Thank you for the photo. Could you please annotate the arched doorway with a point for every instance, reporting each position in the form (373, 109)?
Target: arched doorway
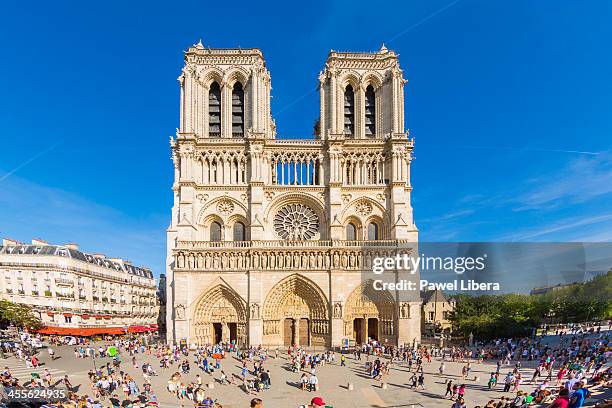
(296, 312)
(370, 315)
(220, 316)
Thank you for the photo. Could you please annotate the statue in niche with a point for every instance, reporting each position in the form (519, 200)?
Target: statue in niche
(338, 310)
(255, 311)
(255, 260)
(281, 262)
(179, 312)
(207, 261)
(405, 311)
(264, 261)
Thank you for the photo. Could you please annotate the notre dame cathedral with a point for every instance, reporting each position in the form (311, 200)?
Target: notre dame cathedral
(272, 239)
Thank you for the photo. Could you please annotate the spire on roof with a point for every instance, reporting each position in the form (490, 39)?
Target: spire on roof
(199, 45)
(383, 48)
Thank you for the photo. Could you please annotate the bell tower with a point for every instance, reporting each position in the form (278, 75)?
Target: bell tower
(225, 93)
(361, 95)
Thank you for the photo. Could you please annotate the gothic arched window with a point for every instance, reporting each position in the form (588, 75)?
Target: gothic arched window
(372, 231)
(370, 111)
(239, 232)
(349, 111)
(237, 110)
(214, 110)
(215, 231)
(351, 232)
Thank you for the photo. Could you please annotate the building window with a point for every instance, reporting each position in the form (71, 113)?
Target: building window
(372, 231)
(370, 111)
(237, 110)
(215, 231)
(68, 319)
(351, 232)
(239, 232)
(349, 111)
(431, 316)
(214, 110)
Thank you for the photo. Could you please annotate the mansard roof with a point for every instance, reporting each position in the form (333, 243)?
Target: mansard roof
(65, 252)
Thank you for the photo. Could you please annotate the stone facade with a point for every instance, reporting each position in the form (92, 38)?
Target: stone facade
(72, 290)
(271, 239)
(436, 310)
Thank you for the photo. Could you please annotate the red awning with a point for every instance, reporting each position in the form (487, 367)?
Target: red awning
(68, 314)
(140, 329)
(50, 313)
(76, 331)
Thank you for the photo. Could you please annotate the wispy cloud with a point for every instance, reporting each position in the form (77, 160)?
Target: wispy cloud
(29, 210)
(551, 231)
(582, 180)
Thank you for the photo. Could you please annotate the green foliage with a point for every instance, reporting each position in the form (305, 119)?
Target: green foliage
(17, 314)
(490, 316)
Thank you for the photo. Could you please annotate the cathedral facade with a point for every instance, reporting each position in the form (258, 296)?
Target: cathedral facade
(272, 240)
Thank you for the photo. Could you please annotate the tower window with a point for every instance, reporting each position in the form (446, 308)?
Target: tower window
(370, 111)
(372, 231)
(238, 110)
(349, 111)
(351, 232)
(214, 110)
(239, 232)
(215, 232)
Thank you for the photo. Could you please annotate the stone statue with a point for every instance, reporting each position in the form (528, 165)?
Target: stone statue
(255, 311)
(179, 312)
(337, 310)
(404, 311)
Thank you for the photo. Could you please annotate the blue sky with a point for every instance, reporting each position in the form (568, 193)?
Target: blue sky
(502, 98)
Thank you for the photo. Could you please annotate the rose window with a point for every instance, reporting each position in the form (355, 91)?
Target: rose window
(296, 222)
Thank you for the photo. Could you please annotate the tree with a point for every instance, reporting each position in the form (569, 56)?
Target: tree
(19, 315)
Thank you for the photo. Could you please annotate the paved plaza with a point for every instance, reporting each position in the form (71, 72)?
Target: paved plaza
(285, 391)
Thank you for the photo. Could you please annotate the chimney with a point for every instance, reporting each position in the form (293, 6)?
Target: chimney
(99, 256)
(72, 245)
(40, 242)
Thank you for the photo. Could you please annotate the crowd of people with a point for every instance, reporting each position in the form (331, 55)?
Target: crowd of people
(561, 371)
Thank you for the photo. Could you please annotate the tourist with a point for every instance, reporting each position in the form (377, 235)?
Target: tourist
(562, 401)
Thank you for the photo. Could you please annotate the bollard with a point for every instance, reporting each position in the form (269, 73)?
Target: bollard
(476, 379)
(384, 386)
(211, 385)
(350, 386)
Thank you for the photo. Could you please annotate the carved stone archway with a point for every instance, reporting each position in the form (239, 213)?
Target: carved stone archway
(298, 305)
(366, 306)
(220, 314)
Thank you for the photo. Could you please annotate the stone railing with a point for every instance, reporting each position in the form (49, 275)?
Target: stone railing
(293, 244)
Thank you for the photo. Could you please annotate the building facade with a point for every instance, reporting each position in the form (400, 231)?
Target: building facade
(78, 293)
(436, 311)
(272, 240)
